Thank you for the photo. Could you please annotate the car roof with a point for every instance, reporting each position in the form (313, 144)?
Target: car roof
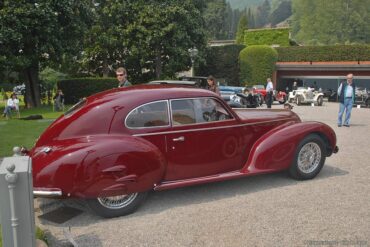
(143, 93)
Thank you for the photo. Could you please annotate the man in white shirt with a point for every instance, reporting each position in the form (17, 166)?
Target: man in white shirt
(269, 92)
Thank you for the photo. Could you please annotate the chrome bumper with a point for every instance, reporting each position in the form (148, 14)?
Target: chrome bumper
(39, 192)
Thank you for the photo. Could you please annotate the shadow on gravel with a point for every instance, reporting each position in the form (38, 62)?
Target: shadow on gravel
(162, 200)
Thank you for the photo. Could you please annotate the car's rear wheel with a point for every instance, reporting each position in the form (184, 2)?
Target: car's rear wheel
(309, 158)
(115, 206)
(320, 101)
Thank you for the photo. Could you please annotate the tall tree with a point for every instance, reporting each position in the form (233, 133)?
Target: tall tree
(250, 17)
(34, 34)
(137, 35)
(331, 21)
(262, 14)
(214, 17)
(242, 27)
(106, 42)
(281, 13)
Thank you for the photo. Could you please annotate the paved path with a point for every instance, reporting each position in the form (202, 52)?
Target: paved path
(268, 210)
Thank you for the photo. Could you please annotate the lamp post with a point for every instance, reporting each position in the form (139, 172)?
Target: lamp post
(193, 53)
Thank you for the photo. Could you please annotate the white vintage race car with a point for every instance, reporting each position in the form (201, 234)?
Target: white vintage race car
(305, 95)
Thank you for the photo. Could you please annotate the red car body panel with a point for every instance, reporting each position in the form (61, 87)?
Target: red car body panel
(91, 153)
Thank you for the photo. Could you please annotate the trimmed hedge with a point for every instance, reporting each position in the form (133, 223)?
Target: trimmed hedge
(75, 89)
(222, 62)
(8, 87)
(257, 63)
(271, 36)
(324, 53)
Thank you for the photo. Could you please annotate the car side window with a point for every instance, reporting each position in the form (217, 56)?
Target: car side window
(201, 110)
(182, 112)
(153, 114)
(210, 110)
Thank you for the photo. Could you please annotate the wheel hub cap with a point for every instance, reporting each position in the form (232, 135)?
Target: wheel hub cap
(309, 157)
(116, 202)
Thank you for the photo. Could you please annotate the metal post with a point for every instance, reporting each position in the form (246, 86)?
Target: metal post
(11, 178)
(193, 52)
(16, 205)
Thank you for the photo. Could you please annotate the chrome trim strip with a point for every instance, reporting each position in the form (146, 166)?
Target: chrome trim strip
(45, 193)
(213, 128)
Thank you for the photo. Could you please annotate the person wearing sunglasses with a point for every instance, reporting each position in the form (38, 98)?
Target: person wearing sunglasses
(121, 74)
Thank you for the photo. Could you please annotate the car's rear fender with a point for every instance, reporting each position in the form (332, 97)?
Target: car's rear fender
(102, 165)
(275, 150)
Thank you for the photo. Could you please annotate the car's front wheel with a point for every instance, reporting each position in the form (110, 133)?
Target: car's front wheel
(115, 206)
(309, 158)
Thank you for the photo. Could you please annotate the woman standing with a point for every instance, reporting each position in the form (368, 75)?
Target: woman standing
(212, 85)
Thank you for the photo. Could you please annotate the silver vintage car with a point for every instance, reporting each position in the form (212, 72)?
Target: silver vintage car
(306, 95)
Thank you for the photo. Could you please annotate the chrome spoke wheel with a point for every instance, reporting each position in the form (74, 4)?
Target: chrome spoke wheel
(117, 202)
(309, 157)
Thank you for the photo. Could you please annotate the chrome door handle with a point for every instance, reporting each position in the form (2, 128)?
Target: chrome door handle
(179, 139)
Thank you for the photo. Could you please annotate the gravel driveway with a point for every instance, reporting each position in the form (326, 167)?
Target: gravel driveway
(267, 210)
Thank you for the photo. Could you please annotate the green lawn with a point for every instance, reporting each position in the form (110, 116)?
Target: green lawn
(16, 132)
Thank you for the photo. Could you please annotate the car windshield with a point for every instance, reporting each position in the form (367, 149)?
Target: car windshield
(259, 86)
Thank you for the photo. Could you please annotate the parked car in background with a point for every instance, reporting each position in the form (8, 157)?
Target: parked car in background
(228, 91)
(245, 100)
(20, 89)
(362, 96)
(114, 147)
(201, 81)
(277, 95)
(330, 94)
(306, 95)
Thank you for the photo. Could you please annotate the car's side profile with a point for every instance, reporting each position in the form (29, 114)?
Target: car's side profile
(114, 147)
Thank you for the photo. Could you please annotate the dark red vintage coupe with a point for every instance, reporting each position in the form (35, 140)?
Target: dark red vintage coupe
(114, 147)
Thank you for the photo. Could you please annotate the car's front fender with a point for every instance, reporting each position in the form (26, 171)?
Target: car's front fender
(95, 166)
(276, 149)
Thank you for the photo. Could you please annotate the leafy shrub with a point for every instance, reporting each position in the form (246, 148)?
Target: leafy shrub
(222, 62)
(324, 53)
(257, 63)
(75, 89)
(271, 36)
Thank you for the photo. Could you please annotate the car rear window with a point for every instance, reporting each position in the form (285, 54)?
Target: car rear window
(153, 114)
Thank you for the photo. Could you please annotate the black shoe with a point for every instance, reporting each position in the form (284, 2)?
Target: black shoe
(339, 125)
(346, 125)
